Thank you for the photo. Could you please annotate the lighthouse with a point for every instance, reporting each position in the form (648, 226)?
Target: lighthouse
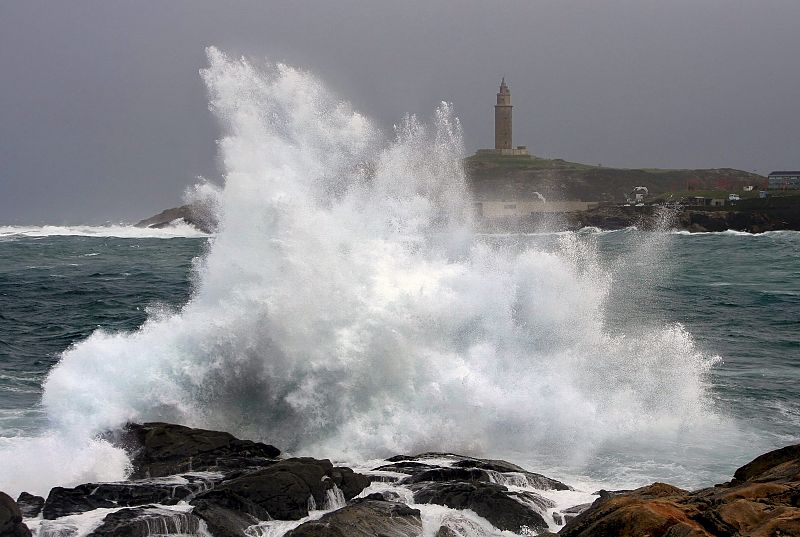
(502, 119)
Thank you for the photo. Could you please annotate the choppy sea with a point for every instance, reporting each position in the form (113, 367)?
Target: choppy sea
(737, 295)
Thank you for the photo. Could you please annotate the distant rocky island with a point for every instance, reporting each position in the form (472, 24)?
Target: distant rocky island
(200, 217)
(187, 481)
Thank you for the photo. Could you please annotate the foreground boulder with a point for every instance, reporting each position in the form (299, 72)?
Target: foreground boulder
(11, 518)
(145, 521)
(68, 501)
(491, 501)
(763, 499)
(366, 518)
(226, 513)
(29, 505)
(288, 489)
(161, 449)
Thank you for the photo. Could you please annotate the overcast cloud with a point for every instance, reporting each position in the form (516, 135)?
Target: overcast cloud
(103, 115)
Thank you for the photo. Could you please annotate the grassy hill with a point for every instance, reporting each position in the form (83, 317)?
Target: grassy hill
(495, 177)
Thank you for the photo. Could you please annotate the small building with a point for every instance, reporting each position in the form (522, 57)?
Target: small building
(784, 180)
(637, 195)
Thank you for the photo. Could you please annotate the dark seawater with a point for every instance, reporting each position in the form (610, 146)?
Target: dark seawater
(737, 294)
(58, 290)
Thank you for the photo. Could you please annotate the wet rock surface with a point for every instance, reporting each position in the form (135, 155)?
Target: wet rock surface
(464, 468)
(287, 489)
(160, 449)
(30, 505)
(227, 514)
(146, 521)
(687, 218)
(365, 518)
(11, 524)
(67, 501)
(491, 501)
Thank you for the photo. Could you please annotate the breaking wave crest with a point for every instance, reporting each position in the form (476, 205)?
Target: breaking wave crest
(119, 231)
(345, 307)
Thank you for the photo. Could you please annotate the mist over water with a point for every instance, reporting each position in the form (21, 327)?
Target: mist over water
(346, 309)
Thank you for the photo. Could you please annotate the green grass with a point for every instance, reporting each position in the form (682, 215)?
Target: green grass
(524, 162)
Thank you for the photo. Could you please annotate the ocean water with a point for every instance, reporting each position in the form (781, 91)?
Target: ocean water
(348, 309)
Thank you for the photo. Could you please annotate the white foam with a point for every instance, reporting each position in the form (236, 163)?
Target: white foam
(345, 309)
(735, 233)
(118, 231)
(35, 464)
(82, 524)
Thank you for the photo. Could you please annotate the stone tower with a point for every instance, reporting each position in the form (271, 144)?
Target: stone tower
(502, 119)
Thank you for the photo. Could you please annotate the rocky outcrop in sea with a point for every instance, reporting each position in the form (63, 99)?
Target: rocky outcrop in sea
(187, 481)
(200, 216)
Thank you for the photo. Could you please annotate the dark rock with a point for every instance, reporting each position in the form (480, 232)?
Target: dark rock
(444, 531)
(366, 518)
(64, 501)
(350, 482)
(505, 473)
(30, 505)
(489, 464)
(286, 488)
(448, 474)
(146, 521)
(537, 502)
(492, 502)
(161, 449)
(197, 215)
(11, 524)
(534, 480)
(408, 467)
(377, 478)
(226, 513)
(399, 458)
(67, 501)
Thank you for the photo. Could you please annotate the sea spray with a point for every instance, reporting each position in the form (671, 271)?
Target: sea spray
(344, 308)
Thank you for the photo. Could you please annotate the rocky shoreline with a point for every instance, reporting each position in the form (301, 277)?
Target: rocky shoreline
(650, 218)
(187, 481)
(605, 217)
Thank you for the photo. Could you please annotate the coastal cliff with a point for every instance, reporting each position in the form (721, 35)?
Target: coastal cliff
(187, 481)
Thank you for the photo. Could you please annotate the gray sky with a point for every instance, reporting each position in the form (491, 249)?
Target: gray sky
(103, 115)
